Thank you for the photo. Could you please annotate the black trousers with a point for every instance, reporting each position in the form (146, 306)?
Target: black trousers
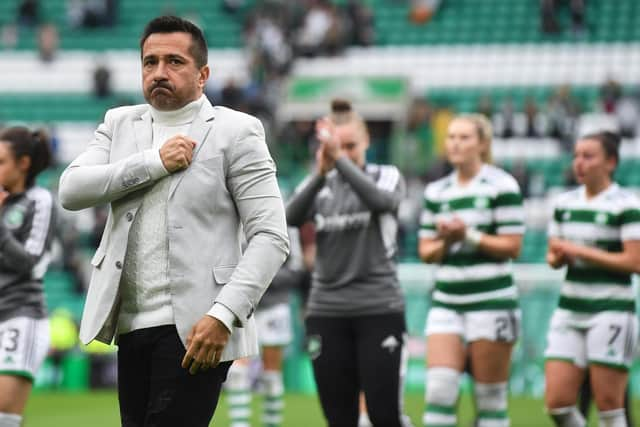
(351, 354)
(155, 391)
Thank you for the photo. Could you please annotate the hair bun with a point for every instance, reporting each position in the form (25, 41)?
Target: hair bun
(340, 106)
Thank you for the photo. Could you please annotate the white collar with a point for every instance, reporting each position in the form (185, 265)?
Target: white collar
(182, 116)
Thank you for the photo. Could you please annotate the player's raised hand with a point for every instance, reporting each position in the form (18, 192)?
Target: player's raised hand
(326, 134)
(176, 153)
(323, 162)
(205, 343)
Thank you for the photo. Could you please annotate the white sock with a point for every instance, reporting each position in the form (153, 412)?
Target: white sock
(238, 388)
(10, 420)
(273, 405)
(568, 416)
(613, 418)
(492, 404)
(363, 420)
(441, 397)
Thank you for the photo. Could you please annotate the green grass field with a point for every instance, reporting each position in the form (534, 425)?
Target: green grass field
(100, 409)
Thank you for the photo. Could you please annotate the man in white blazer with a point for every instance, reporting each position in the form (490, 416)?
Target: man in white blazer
(185, 182)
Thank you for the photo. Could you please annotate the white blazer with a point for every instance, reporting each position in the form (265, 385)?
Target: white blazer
(229, 189)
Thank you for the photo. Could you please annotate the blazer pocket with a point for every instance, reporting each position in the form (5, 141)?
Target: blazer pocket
(98, 257)
(222, 274)
(210, 163)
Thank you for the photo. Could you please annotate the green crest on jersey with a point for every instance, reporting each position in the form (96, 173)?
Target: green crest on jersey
(14, 217)
(566, 216)
(481, 202)
(9, 359)
(602, 218)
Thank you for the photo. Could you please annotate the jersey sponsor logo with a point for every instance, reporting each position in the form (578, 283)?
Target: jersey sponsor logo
(390, 343)
(14, 218)
(342, 222)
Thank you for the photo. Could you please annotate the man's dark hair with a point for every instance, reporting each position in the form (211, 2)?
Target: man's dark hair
(174, 24)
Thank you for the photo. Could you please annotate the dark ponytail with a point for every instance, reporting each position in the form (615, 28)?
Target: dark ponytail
(35, 145)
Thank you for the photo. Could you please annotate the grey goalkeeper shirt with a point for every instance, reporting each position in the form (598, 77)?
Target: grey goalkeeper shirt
(355, 215)
(26, 232)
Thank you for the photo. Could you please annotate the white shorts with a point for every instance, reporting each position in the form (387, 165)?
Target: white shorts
(492, 325)
(24, 343)
(608, 338)
(274, 325)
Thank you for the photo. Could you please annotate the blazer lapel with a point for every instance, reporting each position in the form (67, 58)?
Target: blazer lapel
(198, 131)
(142, 128)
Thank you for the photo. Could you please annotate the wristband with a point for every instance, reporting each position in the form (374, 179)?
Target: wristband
(472, 237)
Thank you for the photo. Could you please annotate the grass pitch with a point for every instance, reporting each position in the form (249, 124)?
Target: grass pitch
(100, 409)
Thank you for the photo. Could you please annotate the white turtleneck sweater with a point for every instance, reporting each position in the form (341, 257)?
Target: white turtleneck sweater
(145, 292)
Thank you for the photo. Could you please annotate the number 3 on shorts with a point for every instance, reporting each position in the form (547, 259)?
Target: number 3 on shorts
(9, 339)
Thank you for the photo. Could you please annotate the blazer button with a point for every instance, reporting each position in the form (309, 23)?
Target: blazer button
(129, 216)
(118, 265)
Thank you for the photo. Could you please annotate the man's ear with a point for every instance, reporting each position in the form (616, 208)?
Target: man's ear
(205, 71)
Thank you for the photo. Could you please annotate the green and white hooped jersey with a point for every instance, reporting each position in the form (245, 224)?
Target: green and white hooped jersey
(467, 279)
(605, 222)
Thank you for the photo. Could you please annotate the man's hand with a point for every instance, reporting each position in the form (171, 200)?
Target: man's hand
(205, 343)
(176, 153)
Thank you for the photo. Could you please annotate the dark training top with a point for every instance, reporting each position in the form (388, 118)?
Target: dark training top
(26, 233)
(355, 215)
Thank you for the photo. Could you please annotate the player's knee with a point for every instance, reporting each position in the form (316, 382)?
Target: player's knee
(608, 400)
(442, 386)
(556, 398)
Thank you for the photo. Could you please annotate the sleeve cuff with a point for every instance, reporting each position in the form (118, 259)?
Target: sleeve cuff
(223, 314)
(154, 164)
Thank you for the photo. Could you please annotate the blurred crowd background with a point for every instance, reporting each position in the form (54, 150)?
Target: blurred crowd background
(543, 71)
